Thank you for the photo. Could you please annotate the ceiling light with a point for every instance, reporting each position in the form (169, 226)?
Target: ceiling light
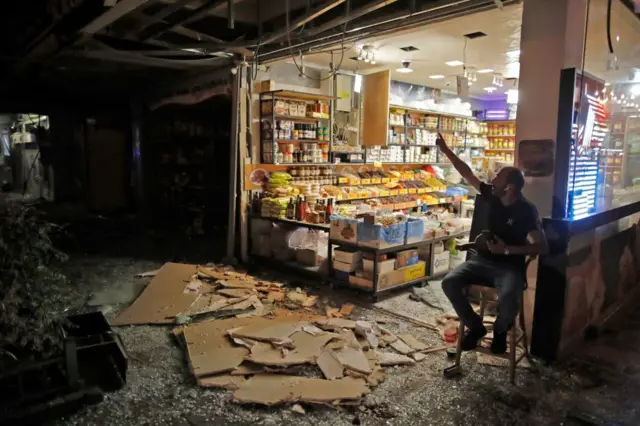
(454, 63)
(357, 84)
(406, 63)
(485, 71)
(490, 89)
(373, 62)
(437, 76)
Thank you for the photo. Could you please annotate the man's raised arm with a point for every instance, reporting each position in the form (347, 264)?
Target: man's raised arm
(462, 167)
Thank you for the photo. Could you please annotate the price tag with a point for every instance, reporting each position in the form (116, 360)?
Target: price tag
(375, 181)
(442, 200)
(403, 192)
(354, 181)
(394, 180)
(412, 190)
(377, 164)
(422, 190)
(385, 180)
(366, 182)
(343, 180)
(352, 196)
(393, 192)
(384, 193)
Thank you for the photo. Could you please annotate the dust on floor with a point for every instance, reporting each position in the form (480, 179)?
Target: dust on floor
(161, 391)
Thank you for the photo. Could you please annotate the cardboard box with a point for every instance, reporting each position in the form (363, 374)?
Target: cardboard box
(415, 231)
(344, 229)
(440, 263)
(308, 257)
(457, 258)
(341, 275)
(406, 258)
(384, 266)
(360, 282)
(264, 86)
(344, 267)
(347, 255)
(378, 236)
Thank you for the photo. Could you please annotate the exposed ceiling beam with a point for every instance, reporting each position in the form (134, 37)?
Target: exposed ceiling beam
(307, 17)
(122, 8)
(160, 16)
(428, 13)
(195, 15)
(187, 32)
(133, 58)
(370, 7)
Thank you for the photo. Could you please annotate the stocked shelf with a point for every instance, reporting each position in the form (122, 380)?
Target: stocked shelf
(291, 94)
(426, 111)
(394, 249)
(318, 226)
(501, 136)
(302, 120)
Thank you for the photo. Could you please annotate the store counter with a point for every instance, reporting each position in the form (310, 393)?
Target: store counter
(591, 274)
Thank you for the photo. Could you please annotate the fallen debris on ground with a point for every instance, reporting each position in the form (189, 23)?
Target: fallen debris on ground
(268, 335)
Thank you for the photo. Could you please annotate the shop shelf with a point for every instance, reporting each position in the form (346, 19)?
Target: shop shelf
(291, 94)
(319, 226)
(424, 111)
(501, 136)
(288, 264)
(396, 248)
(299, 140)
(293, 118)
(500, 149)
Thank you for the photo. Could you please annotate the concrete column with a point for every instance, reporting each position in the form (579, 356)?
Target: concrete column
(553, 37)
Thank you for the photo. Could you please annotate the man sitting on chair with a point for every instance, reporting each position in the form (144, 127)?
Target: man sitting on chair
(513, 234)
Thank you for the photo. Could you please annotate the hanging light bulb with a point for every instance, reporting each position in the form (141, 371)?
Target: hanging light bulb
(360, 57)
(366, 57)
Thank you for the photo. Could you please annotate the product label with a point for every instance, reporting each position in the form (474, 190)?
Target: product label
(414, 272)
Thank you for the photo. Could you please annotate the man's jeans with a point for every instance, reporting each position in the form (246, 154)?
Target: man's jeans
(508, 280)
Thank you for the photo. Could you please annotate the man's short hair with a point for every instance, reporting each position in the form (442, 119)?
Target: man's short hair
(515, 177)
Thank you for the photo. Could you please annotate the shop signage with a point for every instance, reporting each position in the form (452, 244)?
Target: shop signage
(536, 157)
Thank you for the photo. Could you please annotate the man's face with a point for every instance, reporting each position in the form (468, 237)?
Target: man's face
(499, 183)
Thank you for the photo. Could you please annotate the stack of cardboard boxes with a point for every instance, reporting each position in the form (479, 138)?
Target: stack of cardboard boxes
(356, 267)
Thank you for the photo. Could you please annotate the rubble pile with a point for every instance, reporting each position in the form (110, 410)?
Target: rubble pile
(267, 343)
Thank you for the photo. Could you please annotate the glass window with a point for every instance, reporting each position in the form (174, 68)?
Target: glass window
(605, 169)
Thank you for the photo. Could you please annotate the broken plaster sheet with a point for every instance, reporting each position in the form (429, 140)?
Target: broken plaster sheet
(353, 359)
(206, 303)
(236, 292)
(162, 299)
(336, 323)
(210, 350)
(271, 389)
(390, 358)
(237, 284)
(402, 347)
(305, 349)
(329, 364)
(224, 381)
(276, 332)
(413, 342)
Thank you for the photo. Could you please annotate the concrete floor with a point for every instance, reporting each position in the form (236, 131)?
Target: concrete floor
(160, 390)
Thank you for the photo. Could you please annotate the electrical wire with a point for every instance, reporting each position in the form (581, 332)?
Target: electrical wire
(609, 26)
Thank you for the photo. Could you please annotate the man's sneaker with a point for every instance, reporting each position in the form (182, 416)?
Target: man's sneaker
(499, 343)
(472, 337)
